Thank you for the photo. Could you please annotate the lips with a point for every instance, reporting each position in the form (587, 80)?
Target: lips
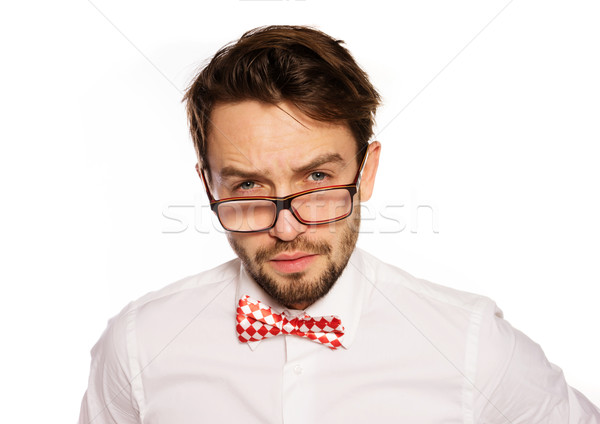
(295, 262)
(290, 256)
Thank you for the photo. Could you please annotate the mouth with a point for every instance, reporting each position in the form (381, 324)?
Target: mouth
(287, 263)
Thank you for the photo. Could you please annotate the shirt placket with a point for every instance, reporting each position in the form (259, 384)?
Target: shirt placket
(298, 400)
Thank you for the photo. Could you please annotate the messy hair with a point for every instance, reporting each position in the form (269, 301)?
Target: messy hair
(273, 64)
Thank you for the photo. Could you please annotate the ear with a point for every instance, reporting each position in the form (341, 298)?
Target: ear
(367, 180)
(198, 170)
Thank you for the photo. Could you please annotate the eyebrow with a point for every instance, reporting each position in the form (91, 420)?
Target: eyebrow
(333, 158)
(232, 172)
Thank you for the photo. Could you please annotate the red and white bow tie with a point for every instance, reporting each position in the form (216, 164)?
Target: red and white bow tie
(256, 321)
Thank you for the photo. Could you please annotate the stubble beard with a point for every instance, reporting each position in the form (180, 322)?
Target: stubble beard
(296, 288)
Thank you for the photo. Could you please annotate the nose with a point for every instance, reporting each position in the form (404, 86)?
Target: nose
(287, 228)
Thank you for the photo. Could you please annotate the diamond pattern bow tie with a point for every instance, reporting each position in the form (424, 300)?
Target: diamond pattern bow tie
(256, 321)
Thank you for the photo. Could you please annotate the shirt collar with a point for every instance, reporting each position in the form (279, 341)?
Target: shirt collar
(345, 299)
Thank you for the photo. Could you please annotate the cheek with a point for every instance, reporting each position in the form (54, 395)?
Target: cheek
(329, 233)
(249, 242)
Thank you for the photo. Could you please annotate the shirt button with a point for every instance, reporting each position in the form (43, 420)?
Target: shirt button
(298, 369)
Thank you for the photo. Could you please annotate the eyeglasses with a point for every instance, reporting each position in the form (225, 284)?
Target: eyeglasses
(310, 207)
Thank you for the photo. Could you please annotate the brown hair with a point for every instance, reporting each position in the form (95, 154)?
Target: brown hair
(279, 63)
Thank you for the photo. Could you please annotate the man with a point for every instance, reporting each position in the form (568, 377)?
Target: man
(303, 327)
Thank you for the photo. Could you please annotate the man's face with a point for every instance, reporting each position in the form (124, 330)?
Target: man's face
(256, 149)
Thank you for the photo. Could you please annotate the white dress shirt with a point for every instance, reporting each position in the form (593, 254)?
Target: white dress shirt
(413, 352)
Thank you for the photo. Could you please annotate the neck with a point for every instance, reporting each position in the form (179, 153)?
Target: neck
(299, 306)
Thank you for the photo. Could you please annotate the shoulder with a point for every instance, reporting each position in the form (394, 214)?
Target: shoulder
(177, 299)
(202, 284)
(505, 373)
(167, 306)
(393, 281)
(115, 357)
(448, 319)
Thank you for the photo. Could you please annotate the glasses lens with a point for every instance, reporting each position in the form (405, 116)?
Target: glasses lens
(246, 215)
(322, 206)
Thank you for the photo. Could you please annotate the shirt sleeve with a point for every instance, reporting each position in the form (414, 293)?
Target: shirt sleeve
(109, 397)
(516, 384)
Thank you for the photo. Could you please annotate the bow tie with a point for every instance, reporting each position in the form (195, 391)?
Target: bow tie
(256, 321)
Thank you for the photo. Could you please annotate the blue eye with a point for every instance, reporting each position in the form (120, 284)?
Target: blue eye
(318, 176)
(246, 185)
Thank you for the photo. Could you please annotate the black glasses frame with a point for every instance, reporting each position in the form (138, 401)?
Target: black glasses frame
(285, 202)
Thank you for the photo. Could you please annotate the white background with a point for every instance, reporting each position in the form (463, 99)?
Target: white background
(490, 119)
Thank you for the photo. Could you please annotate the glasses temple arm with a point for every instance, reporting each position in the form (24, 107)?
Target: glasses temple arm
(203, 178)
(361, 167)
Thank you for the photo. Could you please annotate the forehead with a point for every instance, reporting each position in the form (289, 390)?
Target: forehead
(262, 137)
